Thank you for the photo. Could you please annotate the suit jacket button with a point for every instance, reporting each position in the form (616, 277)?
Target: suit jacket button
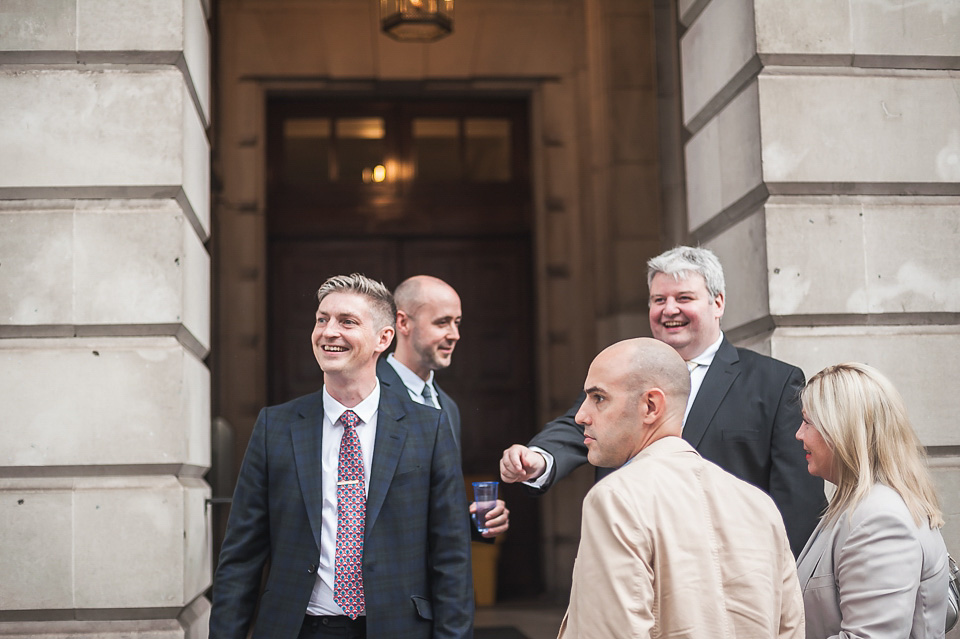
(312, 569)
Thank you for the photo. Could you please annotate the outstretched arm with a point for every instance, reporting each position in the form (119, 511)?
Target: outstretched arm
(562, 439)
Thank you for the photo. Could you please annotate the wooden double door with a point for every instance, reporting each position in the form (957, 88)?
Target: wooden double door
(399, 186)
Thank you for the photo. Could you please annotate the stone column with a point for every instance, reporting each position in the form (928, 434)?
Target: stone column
(104, 317)
(824, 169)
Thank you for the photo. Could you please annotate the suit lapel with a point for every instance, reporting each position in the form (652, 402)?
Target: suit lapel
(307, 434)
(812, 553)
(389, 377)
(721, 374)
(386, 453)
(445, 406)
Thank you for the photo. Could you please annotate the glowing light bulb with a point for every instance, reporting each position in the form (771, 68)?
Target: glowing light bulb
(379, 173)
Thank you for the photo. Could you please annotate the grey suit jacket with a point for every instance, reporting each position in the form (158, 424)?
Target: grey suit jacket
(874, 573)
(415, 502)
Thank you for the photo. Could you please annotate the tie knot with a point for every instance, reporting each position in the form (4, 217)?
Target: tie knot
(427, 394)
(349, 419)
(691, 365)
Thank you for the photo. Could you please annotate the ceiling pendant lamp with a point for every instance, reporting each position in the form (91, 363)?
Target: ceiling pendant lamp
(416, 20)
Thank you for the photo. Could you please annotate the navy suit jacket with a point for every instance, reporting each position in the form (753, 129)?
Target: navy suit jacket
(743, 419)
(391, 380)
(416, 558)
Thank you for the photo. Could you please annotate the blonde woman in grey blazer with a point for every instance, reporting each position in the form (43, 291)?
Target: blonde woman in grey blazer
(876, 566)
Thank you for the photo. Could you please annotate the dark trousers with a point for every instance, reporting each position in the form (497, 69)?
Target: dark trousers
(333, 627)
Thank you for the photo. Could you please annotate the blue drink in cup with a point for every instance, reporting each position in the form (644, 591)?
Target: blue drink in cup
(485, 494)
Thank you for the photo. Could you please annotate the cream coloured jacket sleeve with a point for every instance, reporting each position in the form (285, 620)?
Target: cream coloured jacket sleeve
(613, 579)
(791, 604)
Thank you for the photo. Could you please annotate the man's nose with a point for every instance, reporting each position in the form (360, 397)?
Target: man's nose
(580, 417)
(670, 307)
(453, 333)
(331, 328)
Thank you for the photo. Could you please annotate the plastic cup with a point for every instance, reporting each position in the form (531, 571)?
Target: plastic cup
(485, 495)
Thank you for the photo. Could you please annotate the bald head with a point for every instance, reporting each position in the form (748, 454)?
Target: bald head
(428, 324)
(648, 363)
(415, 291)
(636, 394)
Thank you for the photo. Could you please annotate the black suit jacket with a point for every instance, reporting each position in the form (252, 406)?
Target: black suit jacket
(390, 380)
(416, 557)
(743, 419)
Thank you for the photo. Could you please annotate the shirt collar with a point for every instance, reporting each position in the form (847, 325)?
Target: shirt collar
(706, 357)
(410, 379)
(365, 410)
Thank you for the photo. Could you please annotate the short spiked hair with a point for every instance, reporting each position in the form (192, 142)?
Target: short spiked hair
(381, 301)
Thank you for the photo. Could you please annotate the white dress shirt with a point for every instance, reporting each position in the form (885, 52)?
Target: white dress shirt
(703, 360)
(321, 600)
(414, 383)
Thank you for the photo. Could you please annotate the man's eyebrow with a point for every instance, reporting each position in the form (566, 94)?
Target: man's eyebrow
(341, 314)
(593, 389)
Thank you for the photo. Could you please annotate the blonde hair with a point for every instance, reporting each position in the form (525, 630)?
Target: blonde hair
(862, 418)
(382, 306)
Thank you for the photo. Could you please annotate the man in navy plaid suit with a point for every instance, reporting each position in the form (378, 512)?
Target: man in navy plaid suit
(415, 578)
(428, 329)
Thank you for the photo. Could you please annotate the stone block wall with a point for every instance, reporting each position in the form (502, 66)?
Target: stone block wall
(823, 167)
(104, 318)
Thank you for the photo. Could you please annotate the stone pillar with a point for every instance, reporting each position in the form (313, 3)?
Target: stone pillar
(104, 318)
(598, 223)
(824, 169)
(624, 160)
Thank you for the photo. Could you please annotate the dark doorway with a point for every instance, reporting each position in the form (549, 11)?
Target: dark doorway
(398, 188)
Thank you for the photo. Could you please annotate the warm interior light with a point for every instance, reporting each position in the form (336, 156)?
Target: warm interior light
(379, 173)
(416, 20)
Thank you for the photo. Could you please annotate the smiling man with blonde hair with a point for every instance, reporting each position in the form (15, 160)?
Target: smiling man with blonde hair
(332, 485)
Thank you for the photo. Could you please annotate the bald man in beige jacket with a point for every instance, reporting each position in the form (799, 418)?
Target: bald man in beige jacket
(671, 545)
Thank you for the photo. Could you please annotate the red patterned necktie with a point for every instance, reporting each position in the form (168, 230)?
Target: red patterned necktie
(351, 518)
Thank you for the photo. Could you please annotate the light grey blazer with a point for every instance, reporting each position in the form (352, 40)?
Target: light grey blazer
(874, 573)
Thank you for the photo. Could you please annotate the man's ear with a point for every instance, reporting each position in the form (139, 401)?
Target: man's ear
(403, 322)
(719, 303)
(653, 405)
(385, 338)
